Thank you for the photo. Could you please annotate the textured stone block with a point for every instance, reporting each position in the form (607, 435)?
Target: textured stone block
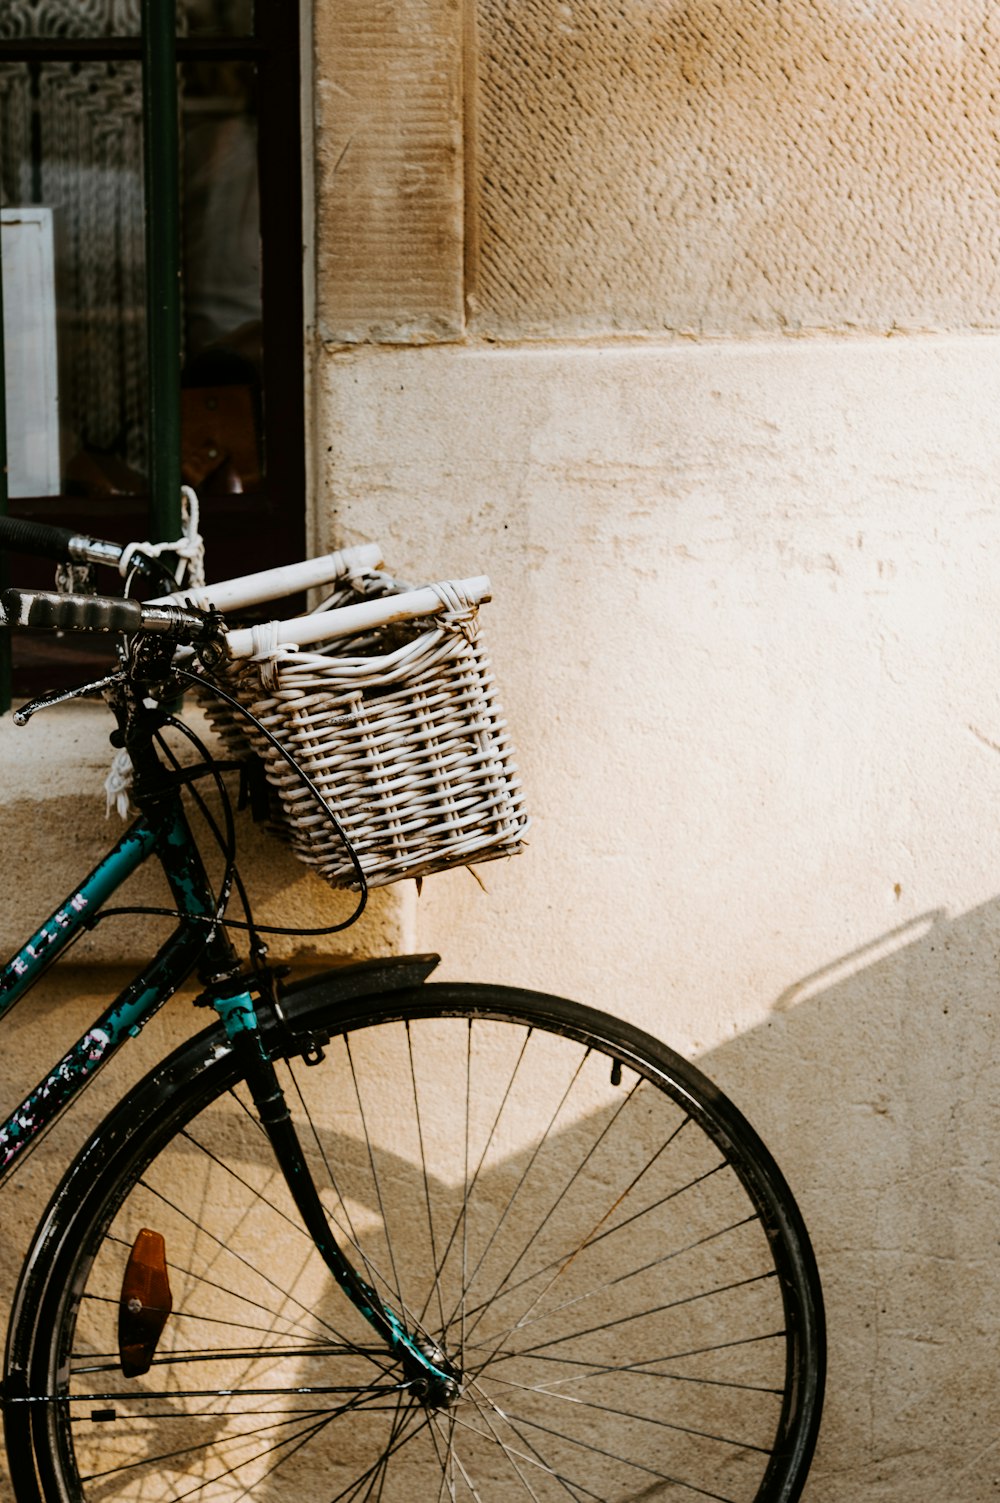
(733, 167)
(389, 171)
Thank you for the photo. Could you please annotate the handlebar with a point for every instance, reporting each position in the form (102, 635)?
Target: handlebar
(183, 614)
(108, 613)
(100, 613)
(66, 546)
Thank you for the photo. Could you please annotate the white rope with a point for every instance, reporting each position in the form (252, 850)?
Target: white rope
(190, 548)
(266, 647)
(461, 613)
(117, 784)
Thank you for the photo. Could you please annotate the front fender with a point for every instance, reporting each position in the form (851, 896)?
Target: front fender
(362, 978)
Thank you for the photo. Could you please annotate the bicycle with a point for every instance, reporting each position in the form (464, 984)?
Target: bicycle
(368, 1236)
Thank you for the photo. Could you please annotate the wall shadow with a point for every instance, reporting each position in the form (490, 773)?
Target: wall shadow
(875, 1083)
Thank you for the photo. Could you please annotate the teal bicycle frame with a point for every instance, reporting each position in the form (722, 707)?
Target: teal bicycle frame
(198, 940)
(170, 838)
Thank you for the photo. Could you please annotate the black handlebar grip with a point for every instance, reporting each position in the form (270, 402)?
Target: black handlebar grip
(39, 608)
(38, 538)
(47, 611)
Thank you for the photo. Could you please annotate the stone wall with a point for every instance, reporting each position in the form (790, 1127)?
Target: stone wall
(718, 418)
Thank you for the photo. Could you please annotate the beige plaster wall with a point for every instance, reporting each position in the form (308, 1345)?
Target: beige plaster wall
(744, 609)
(745, 587)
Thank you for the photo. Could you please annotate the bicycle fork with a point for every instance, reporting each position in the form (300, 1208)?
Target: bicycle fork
(428, 1374)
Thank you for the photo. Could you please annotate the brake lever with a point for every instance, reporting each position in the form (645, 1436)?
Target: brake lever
(60, 696)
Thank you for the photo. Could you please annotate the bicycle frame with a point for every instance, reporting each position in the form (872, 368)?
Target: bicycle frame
(167, 836)
(163, 831)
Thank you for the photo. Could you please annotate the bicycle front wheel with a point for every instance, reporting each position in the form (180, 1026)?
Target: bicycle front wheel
(571, 1217)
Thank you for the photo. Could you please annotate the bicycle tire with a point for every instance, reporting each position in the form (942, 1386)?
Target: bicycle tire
(573, 1213)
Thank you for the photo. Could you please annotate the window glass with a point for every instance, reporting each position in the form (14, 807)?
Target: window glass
(220, 235)
(122, 18)
(72, 144)
(216, 17)
(72, 136)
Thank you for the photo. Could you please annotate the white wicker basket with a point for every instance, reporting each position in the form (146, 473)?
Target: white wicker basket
(401, 733)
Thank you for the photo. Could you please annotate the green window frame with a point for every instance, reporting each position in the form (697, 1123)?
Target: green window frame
(264, 523)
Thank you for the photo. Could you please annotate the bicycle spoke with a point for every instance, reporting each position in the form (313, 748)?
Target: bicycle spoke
(312, 1314)
(255, 1192)
(346, 1230)
(424, 1174)
(523, 1321)
(245, 1262)
(509, 1452)
(510, 1456)
(111, 1362)
(635, 1369)
(592, 1241)
(282, 1461)
(445, 1463)
(645, 1419)
(232, 1443)
(465, 1198)
(364, 1392)
(375, 1178)
(349, 1230)
(626, 1461)
(504, 1282)
(403, 1440)
(524, 1175)
(622, 1320)
(302, 1439)
(399, 1421)
(214, 1284)
(470, 1186)
(465, 1476)
(289, 1444)
(724, 1440)
(208, 1320)
(532, 1461)
(575, 1490)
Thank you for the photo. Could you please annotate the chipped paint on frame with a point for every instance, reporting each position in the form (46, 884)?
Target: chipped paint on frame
(62, 926)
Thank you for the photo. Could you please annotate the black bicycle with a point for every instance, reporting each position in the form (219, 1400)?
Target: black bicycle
(368, 1237)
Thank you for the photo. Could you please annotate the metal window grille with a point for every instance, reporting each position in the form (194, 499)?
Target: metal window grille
(120, 128)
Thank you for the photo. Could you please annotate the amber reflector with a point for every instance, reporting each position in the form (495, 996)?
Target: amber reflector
(144, 1305)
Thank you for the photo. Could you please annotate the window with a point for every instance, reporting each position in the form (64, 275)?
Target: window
(71, 143)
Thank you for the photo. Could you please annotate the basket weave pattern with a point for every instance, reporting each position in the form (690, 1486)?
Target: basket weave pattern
(404, 739)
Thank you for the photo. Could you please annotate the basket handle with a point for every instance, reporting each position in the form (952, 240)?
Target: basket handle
(348, 619)
(273, 584)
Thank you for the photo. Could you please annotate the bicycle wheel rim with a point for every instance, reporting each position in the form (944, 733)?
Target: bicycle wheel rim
(554, 1281)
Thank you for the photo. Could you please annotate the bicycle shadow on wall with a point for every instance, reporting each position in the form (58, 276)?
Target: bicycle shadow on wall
(875, 1082)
